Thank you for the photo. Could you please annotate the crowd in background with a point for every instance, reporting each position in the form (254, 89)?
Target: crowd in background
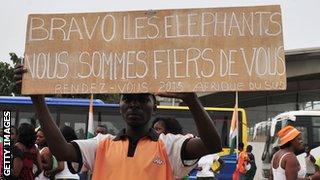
(32, 158)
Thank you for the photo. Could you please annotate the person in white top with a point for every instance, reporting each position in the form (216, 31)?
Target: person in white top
(167, 125)
(136, 110)
(69, 134)
(205, 166)
(310, 160)
(284, 164)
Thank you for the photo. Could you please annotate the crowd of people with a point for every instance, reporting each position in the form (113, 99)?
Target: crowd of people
(284, 163)
(33, 158)
(246, 165)
(137, 151)
(143, 149)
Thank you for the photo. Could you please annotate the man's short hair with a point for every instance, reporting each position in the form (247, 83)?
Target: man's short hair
(149, 94)
(172, 125)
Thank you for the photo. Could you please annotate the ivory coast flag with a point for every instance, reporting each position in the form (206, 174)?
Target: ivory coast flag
(234, 127)
(90, 119)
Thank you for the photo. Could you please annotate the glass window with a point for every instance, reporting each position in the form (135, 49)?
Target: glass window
(316, 129)
(114, 123)
(315, 120)
(274, 140)
(304, 133)
(277, 128)
(27, 117)
(80, 129)
(76, 120)
(316, 134)
(222, 121)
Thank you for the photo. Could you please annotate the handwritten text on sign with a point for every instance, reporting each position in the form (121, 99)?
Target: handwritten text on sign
(200, 50)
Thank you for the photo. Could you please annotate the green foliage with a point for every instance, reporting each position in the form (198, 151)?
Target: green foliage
(6, 78)
(15, 59)
(7, 84)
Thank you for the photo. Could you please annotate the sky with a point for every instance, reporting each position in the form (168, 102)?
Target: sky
(300, 18)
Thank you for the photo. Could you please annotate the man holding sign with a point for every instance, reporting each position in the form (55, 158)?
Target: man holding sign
(135, 53)
(137, 151)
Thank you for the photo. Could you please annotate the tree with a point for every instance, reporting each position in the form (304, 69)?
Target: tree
(5, 78)
(7, 84)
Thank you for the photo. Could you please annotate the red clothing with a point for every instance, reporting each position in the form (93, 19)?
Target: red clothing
(29, 157)
(242, 162)
(1, 158)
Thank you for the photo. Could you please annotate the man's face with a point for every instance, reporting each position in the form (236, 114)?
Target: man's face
(160, 127)
(137, 109)
(40, 141)
(298, 145)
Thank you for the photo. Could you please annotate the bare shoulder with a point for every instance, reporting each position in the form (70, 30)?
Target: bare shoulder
(284, 157)
(290, 159)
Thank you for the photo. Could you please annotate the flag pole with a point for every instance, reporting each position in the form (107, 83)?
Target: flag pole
(238, 125)
(90, 119)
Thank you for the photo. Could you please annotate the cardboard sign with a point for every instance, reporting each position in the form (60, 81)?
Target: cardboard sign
(178, 50)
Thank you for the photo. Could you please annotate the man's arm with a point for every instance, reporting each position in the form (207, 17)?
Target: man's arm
(17, 166)
(38, 164)
(209, 141)
(57, 144)
(53, 172)
(291, 167)
(315, 176)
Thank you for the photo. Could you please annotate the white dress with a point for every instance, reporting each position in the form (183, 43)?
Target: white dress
(205, 163)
